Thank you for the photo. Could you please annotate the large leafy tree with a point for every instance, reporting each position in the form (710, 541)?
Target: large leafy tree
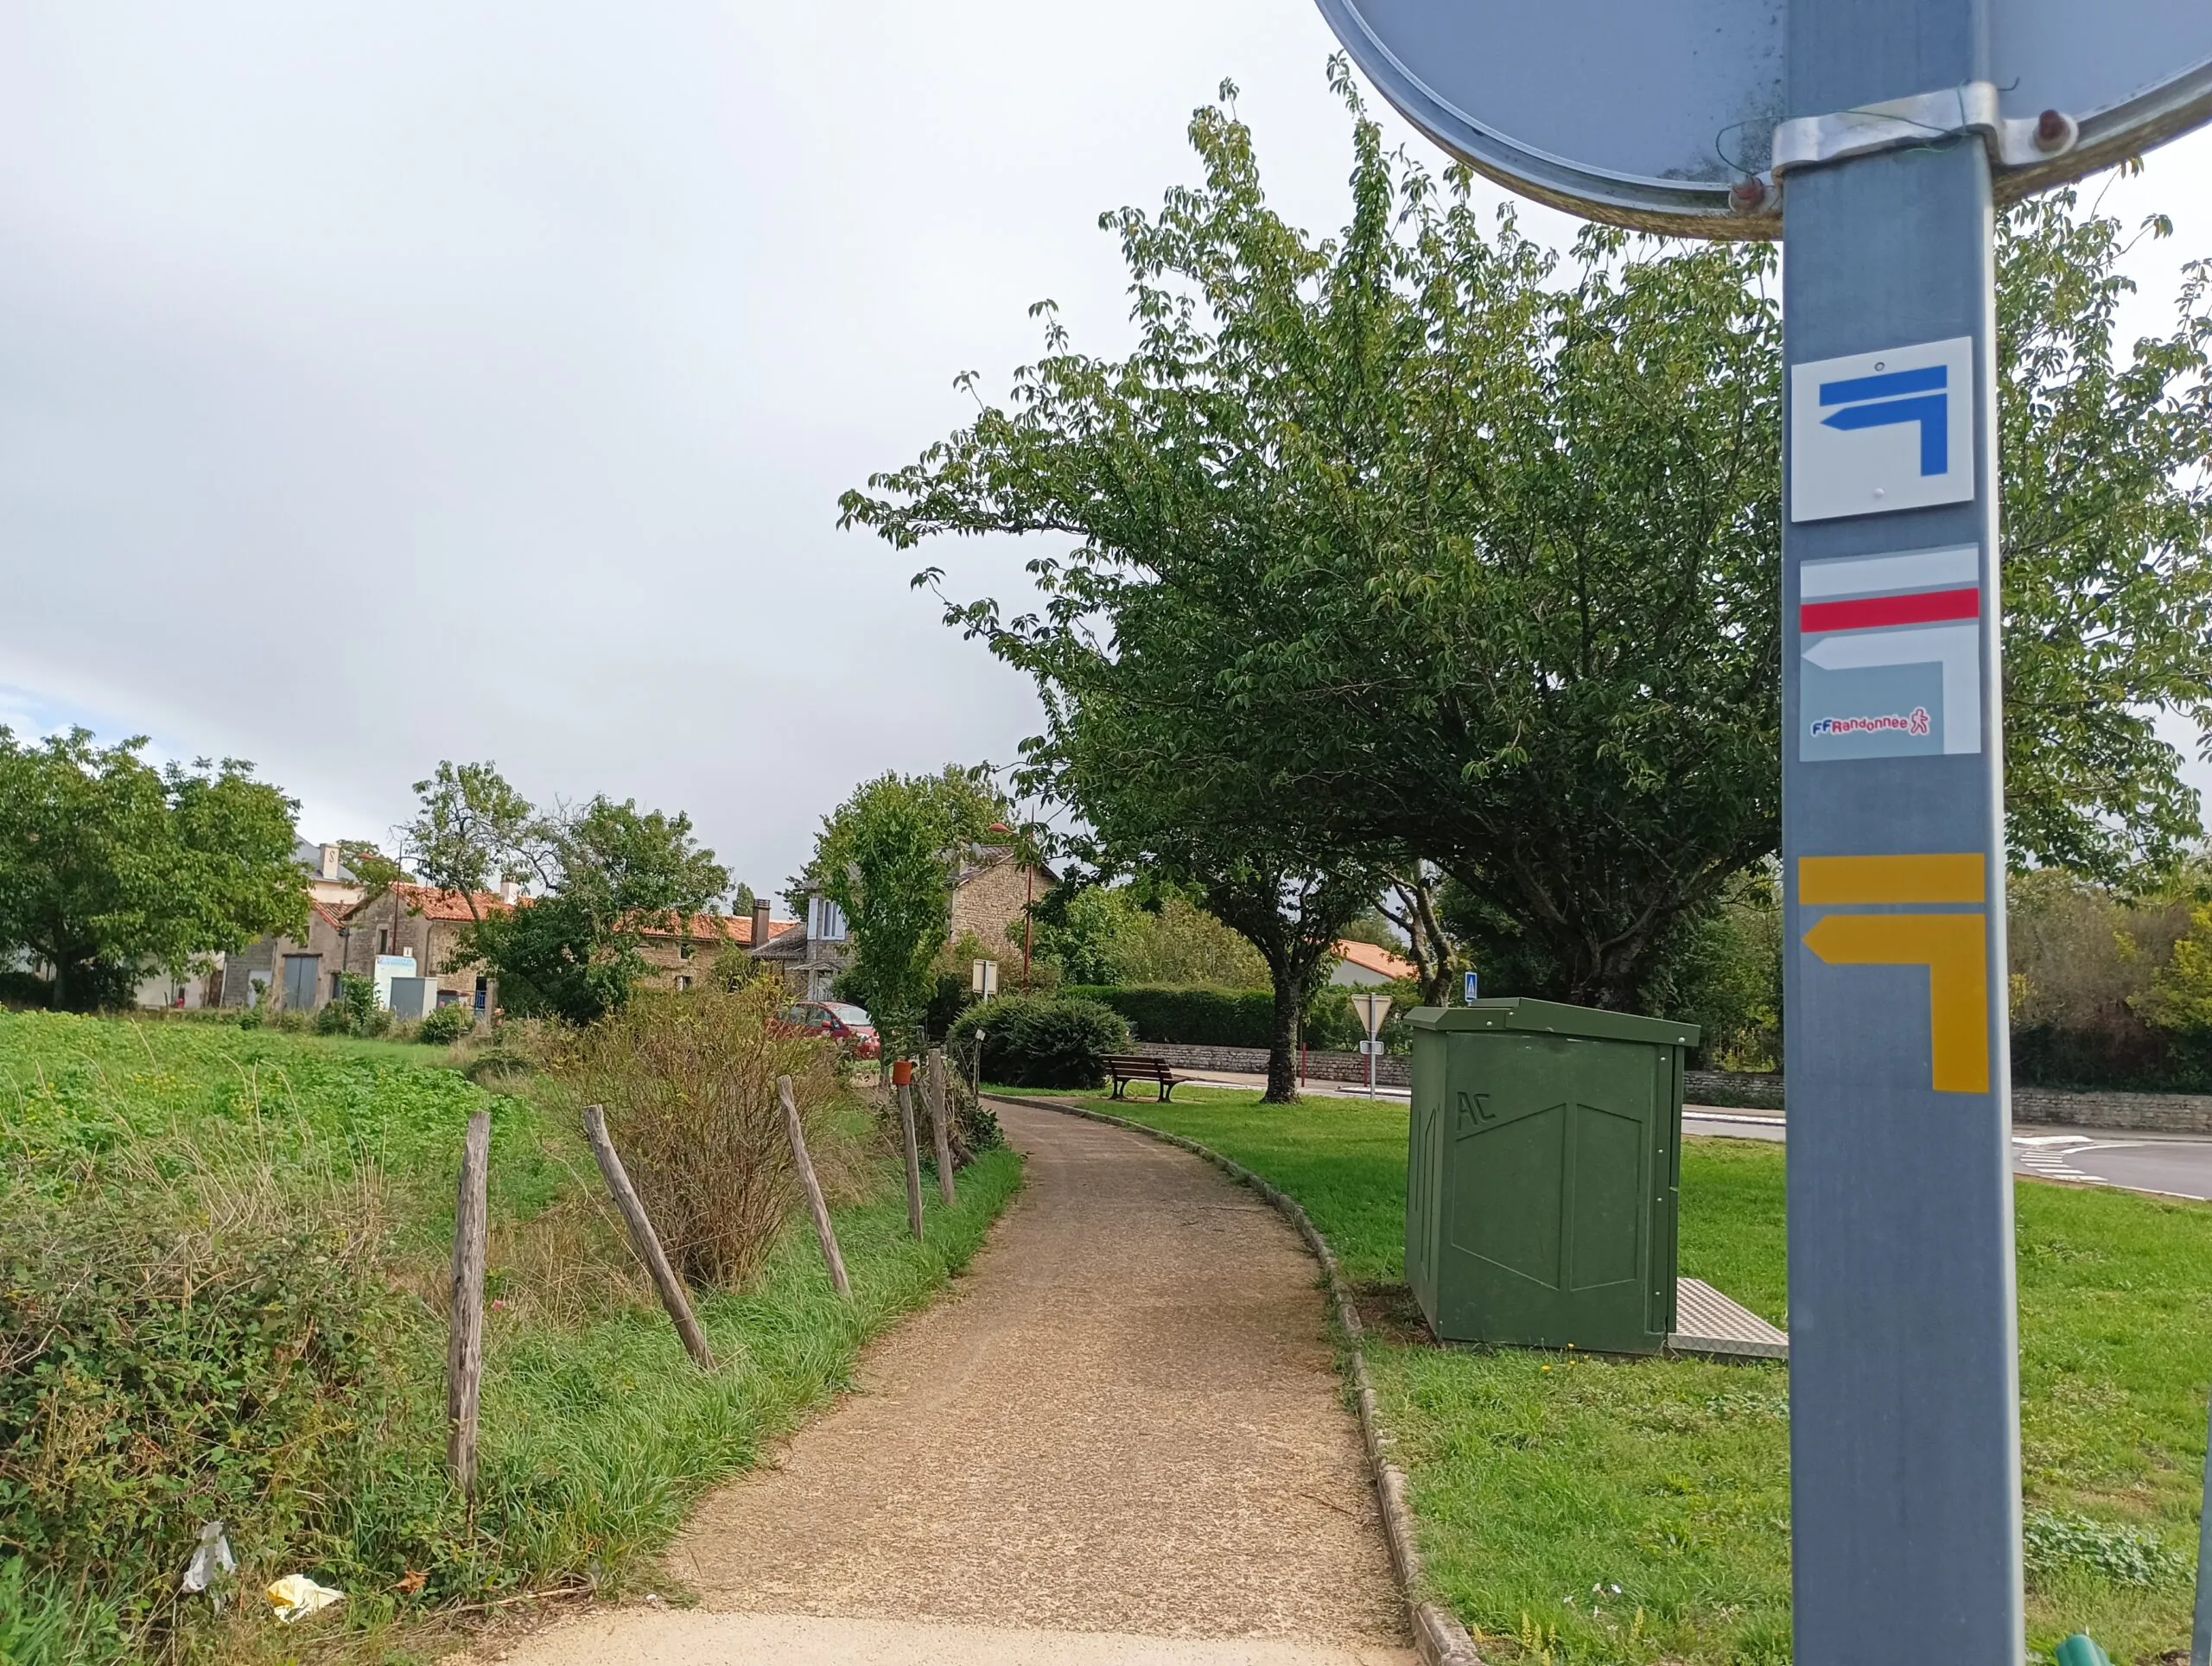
(888, 856)
(603, 870)
(111, 868)
(1435, 546)
(470, 828)
(2106, 518)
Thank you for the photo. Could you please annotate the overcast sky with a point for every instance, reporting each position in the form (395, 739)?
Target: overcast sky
(380, 385)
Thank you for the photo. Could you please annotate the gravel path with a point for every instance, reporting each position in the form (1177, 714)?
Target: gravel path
(1126, 1427)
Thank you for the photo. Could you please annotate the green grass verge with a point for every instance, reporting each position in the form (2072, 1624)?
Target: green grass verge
(1580, 1510)
(219, 1252)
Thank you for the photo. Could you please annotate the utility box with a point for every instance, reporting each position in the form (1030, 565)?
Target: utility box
(1543, 1174)
(413, 998)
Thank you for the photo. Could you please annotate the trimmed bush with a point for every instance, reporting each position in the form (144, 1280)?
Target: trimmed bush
(445, 1025)
(1032, 1042)
(1224, 1018)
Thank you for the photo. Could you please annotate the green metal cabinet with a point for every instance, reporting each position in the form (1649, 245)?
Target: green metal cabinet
(1543, 1174)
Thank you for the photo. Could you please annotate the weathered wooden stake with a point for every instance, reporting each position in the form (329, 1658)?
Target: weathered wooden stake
(647, 1241)
(905, 1090)
(812, 1188)
(464, 1335)
(939, 1119)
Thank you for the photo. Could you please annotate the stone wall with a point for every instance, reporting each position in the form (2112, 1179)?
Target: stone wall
(2162, 1113)
(2159, 1113)
(1389, 1072)
(1728, 1087)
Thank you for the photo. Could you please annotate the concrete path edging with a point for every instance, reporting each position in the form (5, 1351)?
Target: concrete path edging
(1439, 1637)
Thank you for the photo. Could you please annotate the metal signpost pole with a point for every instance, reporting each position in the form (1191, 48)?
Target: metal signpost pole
(1901, 123)
(1904, 1413)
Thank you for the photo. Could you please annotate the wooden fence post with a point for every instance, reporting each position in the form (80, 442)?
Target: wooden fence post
(938, 1118)
(647, 1241)
(823, 1229)
(904, 1089)
(464, 1334)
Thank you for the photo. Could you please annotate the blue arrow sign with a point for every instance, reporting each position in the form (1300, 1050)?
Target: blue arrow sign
(1932, 410)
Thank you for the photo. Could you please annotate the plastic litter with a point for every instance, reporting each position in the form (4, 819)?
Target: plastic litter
(296, 1596)
(2079, 1650)
(211, 1561)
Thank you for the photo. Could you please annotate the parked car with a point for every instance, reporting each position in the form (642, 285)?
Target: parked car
(848, 1026)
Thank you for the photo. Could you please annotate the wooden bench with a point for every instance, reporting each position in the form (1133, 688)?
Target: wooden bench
(1125, 1067)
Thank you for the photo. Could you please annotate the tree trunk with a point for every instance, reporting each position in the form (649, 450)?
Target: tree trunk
(1282, 1046)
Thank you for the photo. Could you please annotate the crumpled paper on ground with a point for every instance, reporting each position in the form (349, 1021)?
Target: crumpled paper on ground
(296, 1596)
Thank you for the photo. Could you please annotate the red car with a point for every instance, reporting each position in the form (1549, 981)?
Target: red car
(849, 1026)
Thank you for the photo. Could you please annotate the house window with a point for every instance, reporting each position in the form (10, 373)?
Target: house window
(682, 983)
(684, 951)
(383, 939)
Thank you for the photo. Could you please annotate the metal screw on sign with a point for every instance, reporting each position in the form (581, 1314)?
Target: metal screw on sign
(1876, 139)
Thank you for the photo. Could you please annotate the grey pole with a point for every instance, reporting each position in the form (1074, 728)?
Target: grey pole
(2200, 1639)
(1904, 1429)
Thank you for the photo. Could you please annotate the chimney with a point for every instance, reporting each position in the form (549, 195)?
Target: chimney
(330, 862)
(508, 891)
(760, 921)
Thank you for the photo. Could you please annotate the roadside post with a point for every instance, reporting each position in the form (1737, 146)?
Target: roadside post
(2200, 1636)
(1372, 1008)
(1876, 138)
(902, 1078)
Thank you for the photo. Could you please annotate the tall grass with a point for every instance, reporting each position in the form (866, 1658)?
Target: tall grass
(221, 1297)
(689, 1084)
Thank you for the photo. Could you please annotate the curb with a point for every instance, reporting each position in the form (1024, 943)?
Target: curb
(1441, 1639)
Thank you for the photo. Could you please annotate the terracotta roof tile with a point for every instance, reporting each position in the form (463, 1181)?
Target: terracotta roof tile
(729, 928)
(1376, 959)
(433, 904)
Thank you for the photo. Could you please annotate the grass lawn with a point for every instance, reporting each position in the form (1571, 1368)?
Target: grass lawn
(1581, 1510)
(222, 1258)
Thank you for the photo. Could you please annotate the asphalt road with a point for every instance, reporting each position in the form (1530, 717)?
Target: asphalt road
(2168, 1165)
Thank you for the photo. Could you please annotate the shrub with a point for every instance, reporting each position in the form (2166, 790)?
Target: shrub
(445, 1025)
(182, 1350)
(19, 989)
(1031, 1041)
(1226, 1018)
(690, 1088)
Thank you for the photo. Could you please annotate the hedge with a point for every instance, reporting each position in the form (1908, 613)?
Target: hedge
(1036, 1041)
(1222, 1018)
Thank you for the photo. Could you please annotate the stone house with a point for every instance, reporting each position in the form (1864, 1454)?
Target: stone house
(991, 890)
(681, 955)
(428, 924)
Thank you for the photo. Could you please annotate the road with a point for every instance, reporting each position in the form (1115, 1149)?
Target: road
(2166, 1165)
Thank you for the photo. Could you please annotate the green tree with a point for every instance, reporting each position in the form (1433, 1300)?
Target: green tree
(1458, 551)
(1411, 902)
(111, 868)
(605, 870)
(888, 856)
(2106, 518)
(470, 829)
(1082, 930)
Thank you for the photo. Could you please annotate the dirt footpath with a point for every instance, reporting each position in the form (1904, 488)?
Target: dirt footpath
(1126, 1424)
